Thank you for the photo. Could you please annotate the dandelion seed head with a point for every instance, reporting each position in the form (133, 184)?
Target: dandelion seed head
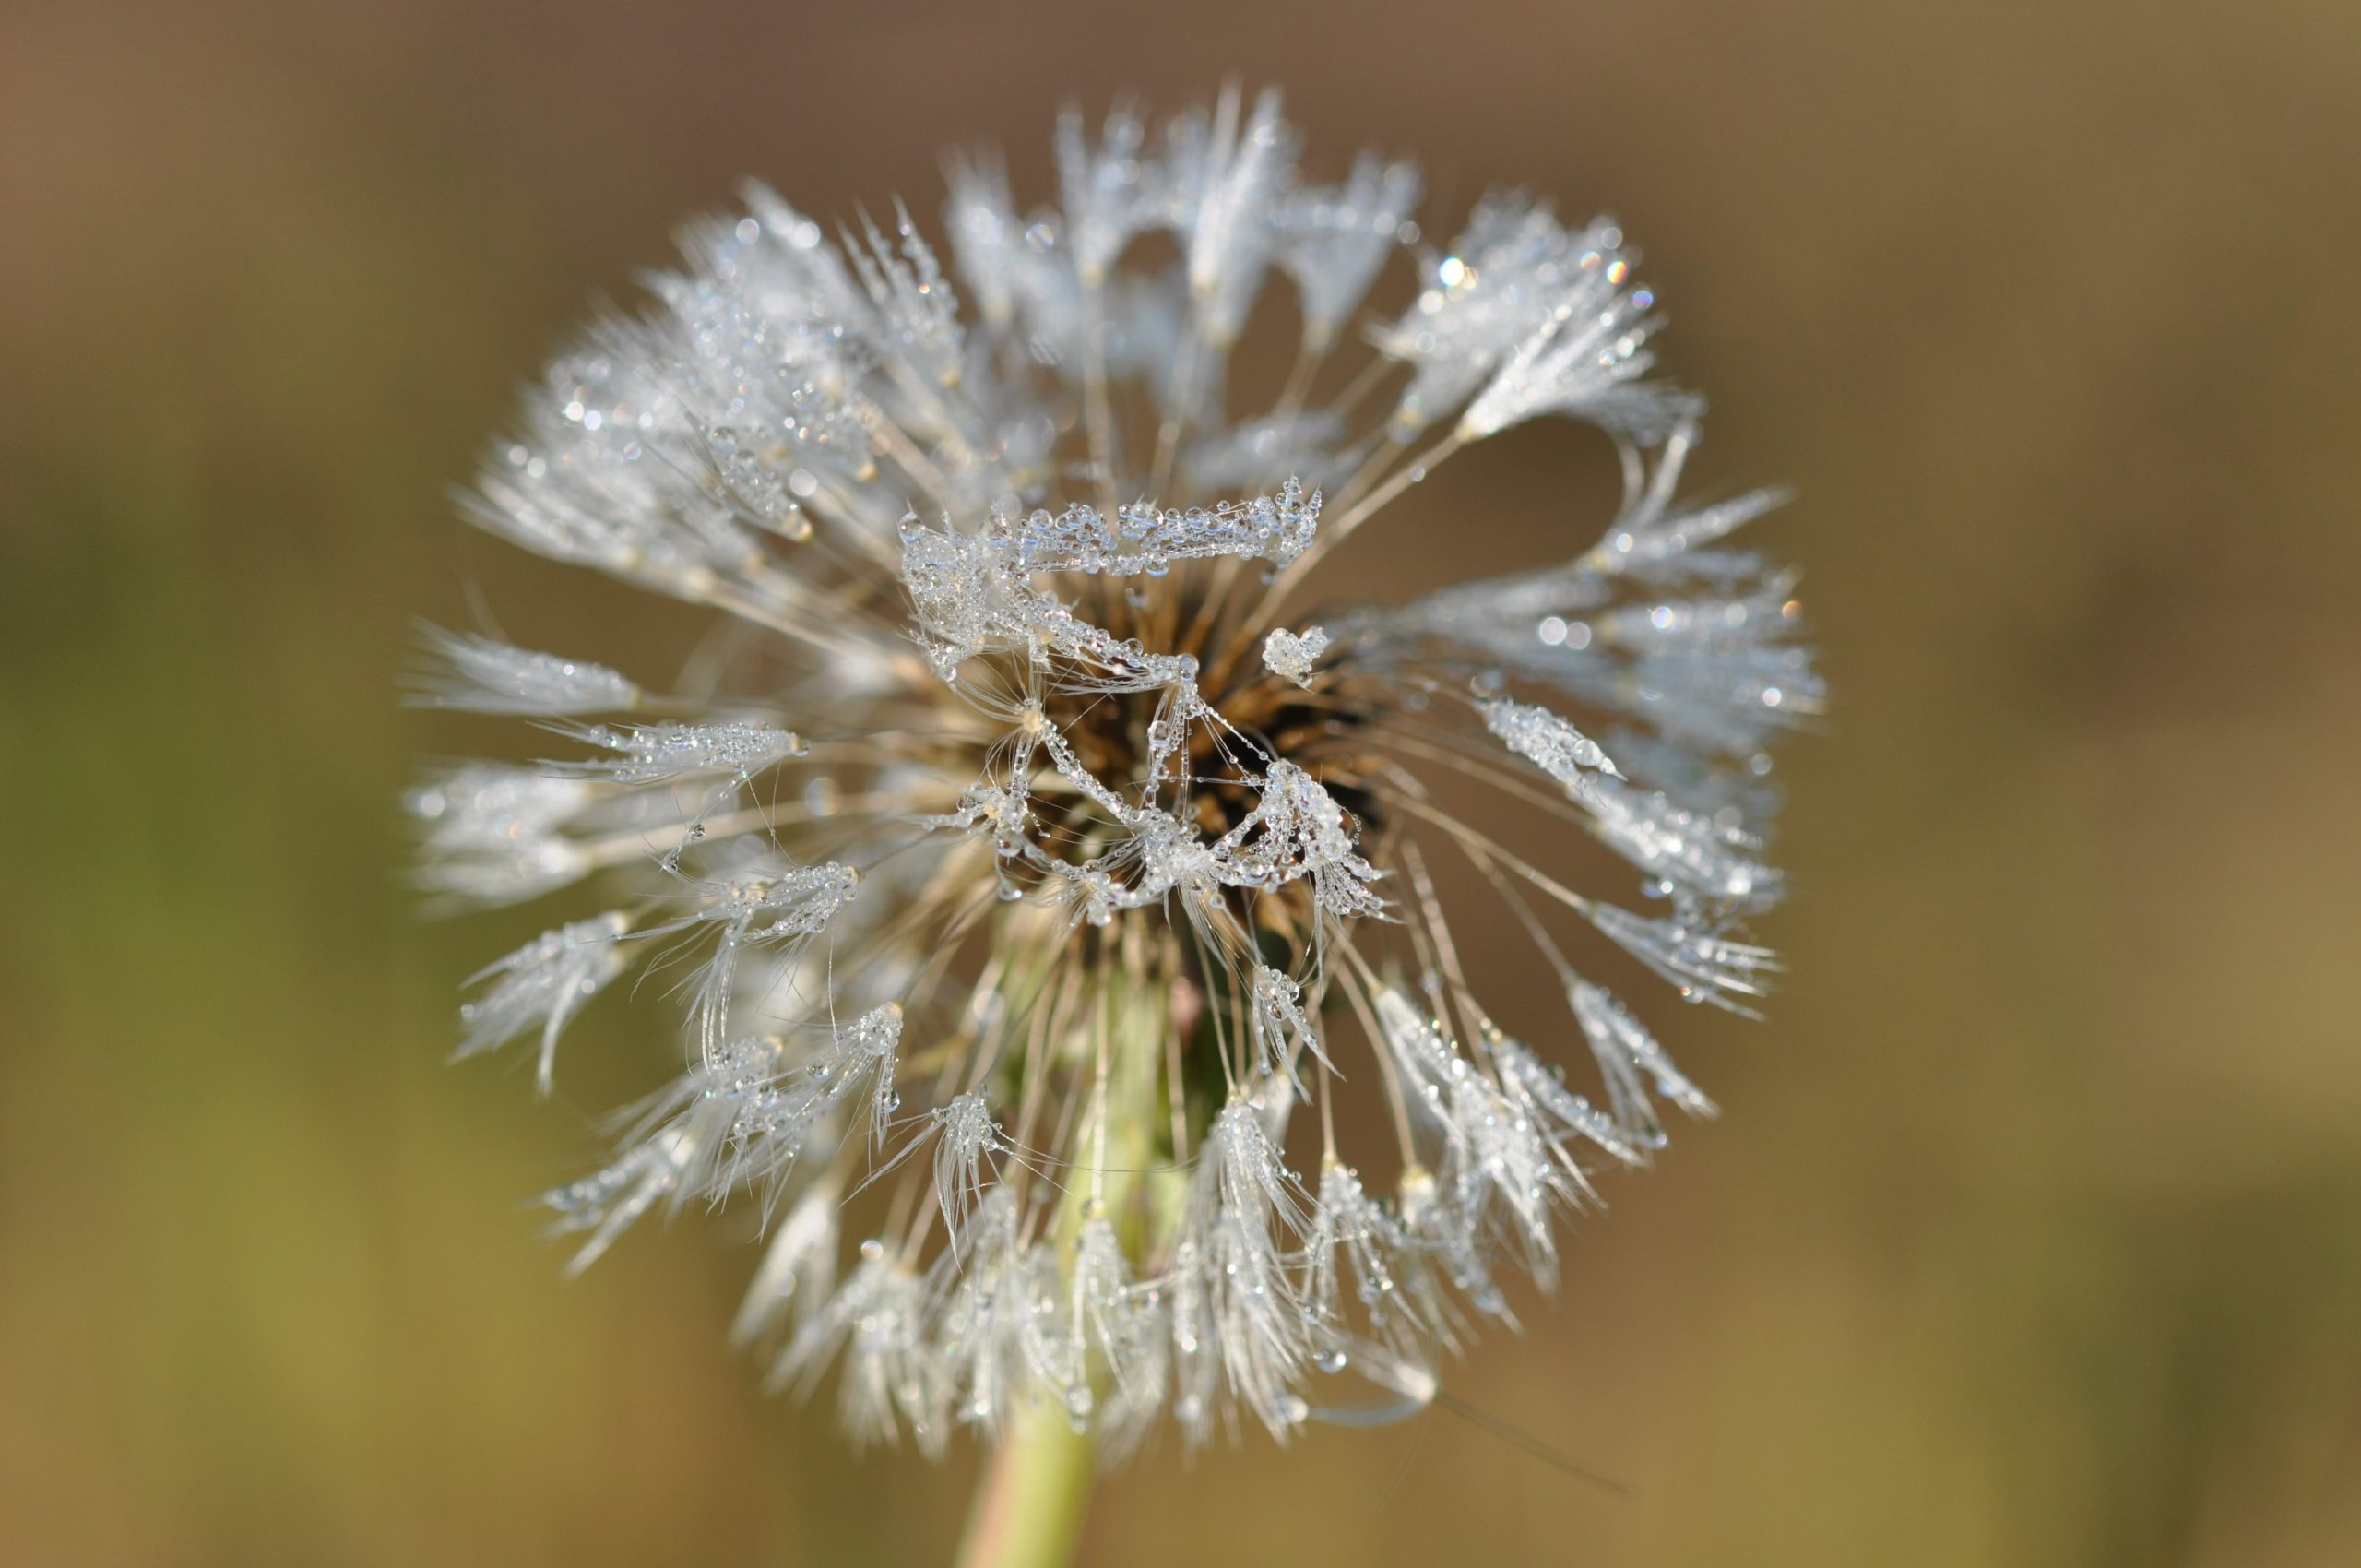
(1024, 802)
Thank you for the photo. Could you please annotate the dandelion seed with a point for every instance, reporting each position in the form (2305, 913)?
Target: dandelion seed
(496, 835)
(1113, 1337)
(485, 804)
(1563, 752)
(1245, 1205)
(798, 1269)
(481, 675)
(648, 754)
(967, 1137)
(545, 982)
(1353, 1240)
(1629, 1061)
(1332, 240)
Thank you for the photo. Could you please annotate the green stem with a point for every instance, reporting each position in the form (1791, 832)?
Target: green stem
(1028, 1511)
(1029, 1508)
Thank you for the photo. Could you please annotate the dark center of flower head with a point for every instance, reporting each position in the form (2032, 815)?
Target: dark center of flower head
(1317, 724)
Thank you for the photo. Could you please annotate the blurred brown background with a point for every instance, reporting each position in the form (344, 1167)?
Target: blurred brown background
(2031, 1233)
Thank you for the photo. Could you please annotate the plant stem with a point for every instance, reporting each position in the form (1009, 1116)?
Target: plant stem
(1029, 1507)
(1029, 1511)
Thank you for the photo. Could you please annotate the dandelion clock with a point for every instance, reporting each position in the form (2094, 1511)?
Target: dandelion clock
(1035, 869)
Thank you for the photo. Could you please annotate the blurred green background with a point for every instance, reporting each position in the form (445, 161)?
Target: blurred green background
(2031, 1233)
